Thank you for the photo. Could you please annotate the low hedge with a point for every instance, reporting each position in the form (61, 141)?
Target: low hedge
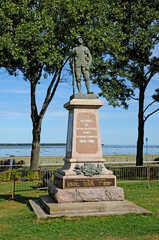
(27, 175)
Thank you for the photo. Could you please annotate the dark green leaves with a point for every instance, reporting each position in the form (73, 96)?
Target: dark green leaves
(126, 51)
(156, 95)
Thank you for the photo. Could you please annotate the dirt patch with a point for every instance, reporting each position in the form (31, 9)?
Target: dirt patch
(113, 238)
(9, 207)
(153, 237)
(156, 237)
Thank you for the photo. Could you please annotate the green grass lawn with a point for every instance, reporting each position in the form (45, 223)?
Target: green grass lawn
(17, 221)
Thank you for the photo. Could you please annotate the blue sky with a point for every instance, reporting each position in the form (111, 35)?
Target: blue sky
(118, 126)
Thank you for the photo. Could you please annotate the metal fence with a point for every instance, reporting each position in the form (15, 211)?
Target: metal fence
(131, 173)
(13, 181)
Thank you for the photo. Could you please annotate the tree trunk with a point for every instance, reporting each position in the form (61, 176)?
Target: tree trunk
(140, 140)
(36, 120)
(35, 148)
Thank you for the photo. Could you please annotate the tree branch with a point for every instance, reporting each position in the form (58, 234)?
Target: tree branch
(137, 99)
(49, 94)
(55, 87)
(149, 105)
(39, 74)
(147, 73)
(148, 80)
(50, 86)
(150, 114)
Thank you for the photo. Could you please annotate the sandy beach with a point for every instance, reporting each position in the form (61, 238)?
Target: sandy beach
(48, 160)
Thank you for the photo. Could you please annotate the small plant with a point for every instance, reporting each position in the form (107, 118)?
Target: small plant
(8, 176)
(32, 175)
(17, 175)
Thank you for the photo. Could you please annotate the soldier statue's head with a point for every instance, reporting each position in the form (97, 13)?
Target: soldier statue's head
(79, 40)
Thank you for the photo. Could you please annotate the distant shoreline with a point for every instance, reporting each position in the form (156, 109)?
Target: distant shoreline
(29, 144)
(64, 144)
(48, 160)
(59, 149)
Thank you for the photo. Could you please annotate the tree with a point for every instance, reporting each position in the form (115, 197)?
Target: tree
(36, 38)
(127, 62)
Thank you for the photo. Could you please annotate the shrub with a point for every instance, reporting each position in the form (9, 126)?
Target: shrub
(7, 176)
(32, 175)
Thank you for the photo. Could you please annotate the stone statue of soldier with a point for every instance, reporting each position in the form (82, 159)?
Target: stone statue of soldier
(80, 63)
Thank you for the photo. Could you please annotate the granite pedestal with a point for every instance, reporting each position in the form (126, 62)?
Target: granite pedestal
(83, 186)
(84, 178)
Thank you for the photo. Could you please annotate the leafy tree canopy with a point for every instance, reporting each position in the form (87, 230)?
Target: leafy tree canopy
(127, 62)
(36, 38)
(38, 35)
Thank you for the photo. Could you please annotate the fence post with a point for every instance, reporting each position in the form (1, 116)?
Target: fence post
(11, 163)
(13, 187)
(148, 177)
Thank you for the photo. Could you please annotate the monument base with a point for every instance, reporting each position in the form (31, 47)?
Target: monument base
(47, 207)
(84, 96)
(85, 194)
(80, 181)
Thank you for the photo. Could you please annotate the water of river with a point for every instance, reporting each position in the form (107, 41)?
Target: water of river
(60, 149)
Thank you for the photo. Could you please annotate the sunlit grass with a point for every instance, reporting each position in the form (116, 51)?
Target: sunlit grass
(17, 221)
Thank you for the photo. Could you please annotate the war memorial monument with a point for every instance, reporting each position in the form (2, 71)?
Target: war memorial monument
(83, 186)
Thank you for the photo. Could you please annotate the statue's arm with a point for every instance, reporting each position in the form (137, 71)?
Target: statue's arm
(72, 55)
(89, 57)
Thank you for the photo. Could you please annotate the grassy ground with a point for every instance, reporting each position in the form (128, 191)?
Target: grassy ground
(18, 222)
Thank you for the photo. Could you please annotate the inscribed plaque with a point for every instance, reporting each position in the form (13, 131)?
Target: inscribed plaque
(86, 133)
(89, 182)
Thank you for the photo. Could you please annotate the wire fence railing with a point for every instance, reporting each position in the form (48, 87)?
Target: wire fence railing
(132, 173)
(16, 180)
(13, 181)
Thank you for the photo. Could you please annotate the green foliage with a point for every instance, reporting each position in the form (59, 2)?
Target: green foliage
(17, 175)
(6, 176)
(9, 175)
(156, 95)
(36, 38)
(40, 34)
(32, 175)
(126, 61)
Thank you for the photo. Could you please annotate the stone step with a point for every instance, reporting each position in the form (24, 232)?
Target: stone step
(85, 194)
(86, 208)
